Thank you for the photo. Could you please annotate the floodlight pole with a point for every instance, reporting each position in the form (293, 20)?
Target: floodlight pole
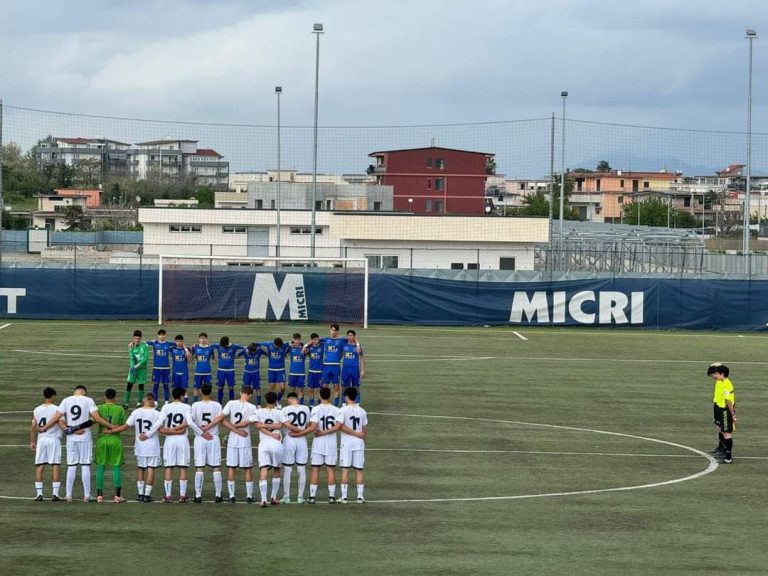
(750, 36)
(2, 205)
(317, 30)
(278, 91)
(551, 172)
(564, 96)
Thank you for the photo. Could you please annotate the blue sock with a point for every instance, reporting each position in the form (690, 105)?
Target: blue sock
(279, 395)
(165, 392)
(301, 401)
(220, 394)
(231, 393)
(358, 395)
(155, 387)
(258, 400)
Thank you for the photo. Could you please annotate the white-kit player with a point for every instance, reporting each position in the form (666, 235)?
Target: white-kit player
(268, 421)
(354, 429)
(47, 445)
(325, 421)
(295, 447)
(147, 453)
(207, 452)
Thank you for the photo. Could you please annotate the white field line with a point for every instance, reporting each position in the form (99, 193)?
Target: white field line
(48, 353)
(519, 335)
(5, 326)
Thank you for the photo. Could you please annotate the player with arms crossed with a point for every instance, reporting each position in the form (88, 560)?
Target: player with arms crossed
(268, 421)
(138, 356)
(174, 420)
(332, 350)
(276, 351)
(161, 365)
(724, 405)
(251, 376)
(180, 363)
(353, 368)
(207, 452)
(79, 412)
(295, 452)
(354, 431)
(109, 448)
(46, 445)
(147, 452)
(203, 354)
(325, 421)
(225, 370)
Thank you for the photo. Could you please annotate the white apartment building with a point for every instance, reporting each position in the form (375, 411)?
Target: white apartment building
(239, 181)
(110, 154)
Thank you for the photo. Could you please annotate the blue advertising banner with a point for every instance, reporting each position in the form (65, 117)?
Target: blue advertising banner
(317, 296)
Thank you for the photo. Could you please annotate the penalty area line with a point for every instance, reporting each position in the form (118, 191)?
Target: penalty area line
(519, 335)
(48, 353)
(5, 326)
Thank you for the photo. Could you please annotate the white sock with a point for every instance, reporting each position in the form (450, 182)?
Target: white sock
(275, 487)
(249, 489)
(231, 488)
(198, 484)
(168, 487)
(38, 488)
(71, 473)
(331, 490)
(360, 488)
(344, 490)
(287, 482)
(147, 489)
(85, 476)
(217, 483)
(263, 490)
(56, 487)
(312, 490)
(182, 487)
(302, 480)
(140, 487)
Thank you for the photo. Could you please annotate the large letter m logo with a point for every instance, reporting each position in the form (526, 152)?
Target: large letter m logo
(266, 295)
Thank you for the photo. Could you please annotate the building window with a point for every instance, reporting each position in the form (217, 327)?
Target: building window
(439, 206)
(50, 223)
(259, 204)
(646, 184)
(429, 183)
(597, 184)
(635, 185)
(318, 204)
(428, 206)
(381, 261)
(687, 202)
(185, 228)
(272, 204)
(439, 184)
(457, 266)
(429, 162)
(377, 206)
(329, 204)
(440, 163)
(621, 183)
(305, 230)
(506, 263)
(522, 185)
(472, 266)
(233, 229)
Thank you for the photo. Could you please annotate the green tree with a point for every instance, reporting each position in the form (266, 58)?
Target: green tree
(20, 175)
(603, 166)
(205, 197)
(87, 173)
(656, 212)
(490, 165)
(74, 219)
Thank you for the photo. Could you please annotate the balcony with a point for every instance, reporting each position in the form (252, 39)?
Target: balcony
(376, 169)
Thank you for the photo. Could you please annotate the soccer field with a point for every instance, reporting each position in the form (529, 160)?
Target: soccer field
(490, 451)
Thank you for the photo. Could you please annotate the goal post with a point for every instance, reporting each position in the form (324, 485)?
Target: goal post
(263, 288)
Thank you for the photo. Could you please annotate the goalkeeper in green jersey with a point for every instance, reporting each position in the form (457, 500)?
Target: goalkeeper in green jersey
(109, 448)
(138, 354)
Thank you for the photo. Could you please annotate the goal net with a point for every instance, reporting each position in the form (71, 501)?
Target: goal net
(223, 288)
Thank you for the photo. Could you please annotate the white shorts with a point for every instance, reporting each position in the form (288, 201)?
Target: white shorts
(324, 460)
(207, 452)
(271, 456)
(48, 451)
(176, 452)
(148, 462)
(79, 452)
(295, 451)
(239, 457)
(352, 459)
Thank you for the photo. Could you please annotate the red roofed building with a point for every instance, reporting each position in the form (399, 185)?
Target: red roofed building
(92, 197)
(434, 180)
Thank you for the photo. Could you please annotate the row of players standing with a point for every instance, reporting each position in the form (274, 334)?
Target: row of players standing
(333, 360)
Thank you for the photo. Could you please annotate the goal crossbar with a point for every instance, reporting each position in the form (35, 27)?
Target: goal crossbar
(261, 259)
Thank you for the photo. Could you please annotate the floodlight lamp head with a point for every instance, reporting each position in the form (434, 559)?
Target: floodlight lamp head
(317, 28)
(564, 94)
(751, 33)
(278, 89)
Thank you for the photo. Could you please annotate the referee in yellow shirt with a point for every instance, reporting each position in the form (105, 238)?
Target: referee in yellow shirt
(724, 411)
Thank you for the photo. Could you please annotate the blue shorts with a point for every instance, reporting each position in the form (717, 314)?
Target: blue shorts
(350, 377)
(201, 379)
(252, 379)
(331, 374)
(161, 375)
(180, 380)
(275, 376)
(227, 378)
(296, 381)
(315, 379)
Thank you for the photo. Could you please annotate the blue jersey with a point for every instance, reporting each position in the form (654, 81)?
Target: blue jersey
(315, 354)
(298, 361)
(276, 356)
(161, 353)
(351, 356)
(332, 350)
(203, 356)
(227, 356)
(179, 358)
(252, 361)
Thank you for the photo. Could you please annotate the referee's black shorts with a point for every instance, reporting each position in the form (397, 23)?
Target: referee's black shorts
(723, 418)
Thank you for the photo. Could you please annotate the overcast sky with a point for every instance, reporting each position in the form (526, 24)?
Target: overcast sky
(674, 63)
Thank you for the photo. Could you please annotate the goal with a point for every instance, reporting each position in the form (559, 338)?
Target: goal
(255, 288)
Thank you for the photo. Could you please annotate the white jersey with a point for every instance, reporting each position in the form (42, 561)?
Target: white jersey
(77, 410)
(325, 416)
(297, 415)
(42, 416)
(142, 420)
(175, 414)
(268, 416)
(238, 411)
(205, 411)
(355, 418)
